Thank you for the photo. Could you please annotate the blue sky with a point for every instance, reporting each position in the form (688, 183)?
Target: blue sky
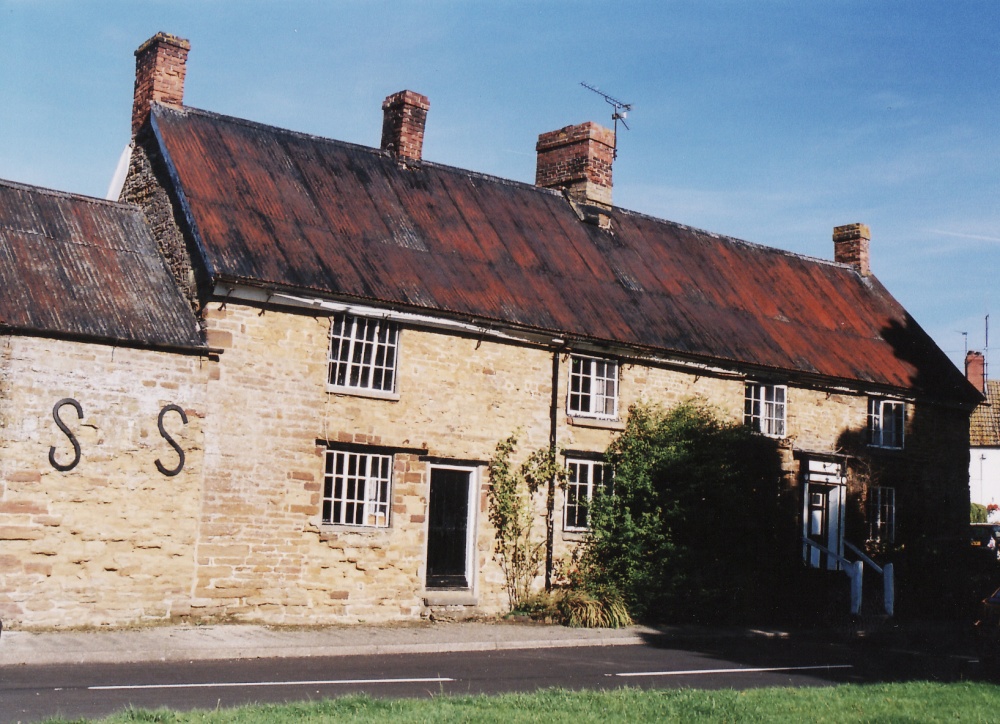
(767, 121)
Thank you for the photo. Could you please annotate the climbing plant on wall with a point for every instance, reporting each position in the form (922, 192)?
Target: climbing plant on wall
(519, 547)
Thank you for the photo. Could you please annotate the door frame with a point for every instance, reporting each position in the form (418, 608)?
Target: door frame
(828, 476)
(471, 523)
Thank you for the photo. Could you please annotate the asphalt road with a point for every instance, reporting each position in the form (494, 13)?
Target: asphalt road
(33, 693)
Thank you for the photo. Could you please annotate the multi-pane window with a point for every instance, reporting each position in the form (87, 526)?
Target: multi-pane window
(363, 353)
(586, 477)
(356, 488)
(886, 419)
(764, 408)
(882, 515)
(593, 387)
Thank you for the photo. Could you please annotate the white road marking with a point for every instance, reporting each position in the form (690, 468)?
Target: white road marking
(329, 682)
(692, 672)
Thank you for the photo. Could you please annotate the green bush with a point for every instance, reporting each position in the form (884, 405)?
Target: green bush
(977, 513)
(693, 527)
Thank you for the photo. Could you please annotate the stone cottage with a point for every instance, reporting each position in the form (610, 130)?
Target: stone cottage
(360, 326)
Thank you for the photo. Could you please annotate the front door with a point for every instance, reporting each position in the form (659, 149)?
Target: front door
(448, 528)
(823, 513)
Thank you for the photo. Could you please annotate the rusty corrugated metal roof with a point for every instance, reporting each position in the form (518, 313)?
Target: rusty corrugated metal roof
(82, 267)
(276, 207)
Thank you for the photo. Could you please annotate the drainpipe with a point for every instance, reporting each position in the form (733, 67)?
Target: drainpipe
(550, 501)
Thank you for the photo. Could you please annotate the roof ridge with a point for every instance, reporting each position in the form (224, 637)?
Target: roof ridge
(71, 195)
(732, 239)
(458, 170)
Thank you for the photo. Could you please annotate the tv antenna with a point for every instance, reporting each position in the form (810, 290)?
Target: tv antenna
(620, 113)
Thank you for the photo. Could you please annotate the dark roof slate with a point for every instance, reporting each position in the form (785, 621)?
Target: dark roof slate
(83, 267)
(984, 425)
(275, 207)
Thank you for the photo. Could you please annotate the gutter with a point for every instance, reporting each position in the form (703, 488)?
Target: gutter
(263, 295)
(194, 350)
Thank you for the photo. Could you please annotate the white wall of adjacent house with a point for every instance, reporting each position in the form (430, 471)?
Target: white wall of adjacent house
(984, 477)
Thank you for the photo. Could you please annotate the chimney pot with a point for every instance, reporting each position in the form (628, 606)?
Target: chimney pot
(975, 370)
(850, 246)
(577, 159)
(404, 115)
(160, 67)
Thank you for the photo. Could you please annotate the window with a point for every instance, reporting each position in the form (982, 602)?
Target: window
(593, 387)
(882, 515)
(764, 408)
(885, 422)
(356, 488)
(363, 353)
(586, 477)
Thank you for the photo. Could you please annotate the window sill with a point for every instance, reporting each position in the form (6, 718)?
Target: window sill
(362, 392)
(360, 533)
(574, 536)
(595, 422)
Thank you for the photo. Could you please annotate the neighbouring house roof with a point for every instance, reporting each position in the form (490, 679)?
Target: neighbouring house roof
(984, 425)
(86, 268)
(273, 207)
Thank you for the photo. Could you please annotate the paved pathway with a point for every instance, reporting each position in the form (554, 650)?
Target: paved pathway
(243, 641)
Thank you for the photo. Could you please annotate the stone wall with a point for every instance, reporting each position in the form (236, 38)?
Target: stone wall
(238, 533)
(112, 540)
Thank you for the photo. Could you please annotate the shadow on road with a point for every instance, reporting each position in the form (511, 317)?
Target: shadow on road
(919, 651)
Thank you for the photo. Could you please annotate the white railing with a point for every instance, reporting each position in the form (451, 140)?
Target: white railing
(888, 577)
(855, 572)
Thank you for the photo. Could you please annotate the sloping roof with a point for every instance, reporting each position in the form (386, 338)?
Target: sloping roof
(274, 207)
(984, 425)
(82, 267)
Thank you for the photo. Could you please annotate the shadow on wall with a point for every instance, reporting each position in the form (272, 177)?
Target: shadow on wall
(928, 479)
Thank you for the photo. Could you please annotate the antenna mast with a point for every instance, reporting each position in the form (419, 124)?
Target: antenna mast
(619, 114)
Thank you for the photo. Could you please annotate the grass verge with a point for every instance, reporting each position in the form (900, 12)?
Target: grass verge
(906, 702)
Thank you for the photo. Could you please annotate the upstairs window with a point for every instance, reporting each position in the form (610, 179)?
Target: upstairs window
(586, 479)
(356, 489)
(764, 408)
(886, 419)
(593, 387)
(363, 353)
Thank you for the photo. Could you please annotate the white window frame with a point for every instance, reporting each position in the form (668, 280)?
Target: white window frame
(593, 388)
(357, 488)
(882, 514)
(766, 409)
(578, 494)
(881, 411)
(363, 355)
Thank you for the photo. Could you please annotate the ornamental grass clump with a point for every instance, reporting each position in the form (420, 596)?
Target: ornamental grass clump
(584, 609)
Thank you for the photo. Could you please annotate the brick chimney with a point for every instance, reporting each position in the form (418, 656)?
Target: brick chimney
(975, 370)
(160, 66)
(850, 246)
(577, 159)
(404, 116)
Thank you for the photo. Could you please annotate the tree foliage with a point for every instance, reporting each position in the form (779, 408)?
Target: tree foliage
(692, 528)
(977, 513)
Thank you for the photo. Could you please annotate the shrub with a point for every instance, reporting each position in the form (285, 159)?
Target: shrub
(692, 529)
